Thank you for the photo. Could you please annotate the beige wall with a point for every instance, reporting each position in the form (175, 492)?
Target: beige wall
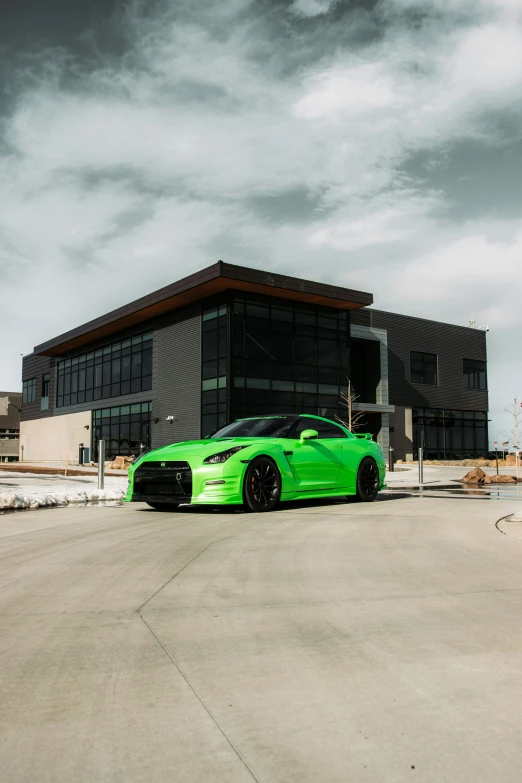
(402, 436)
(49, 439)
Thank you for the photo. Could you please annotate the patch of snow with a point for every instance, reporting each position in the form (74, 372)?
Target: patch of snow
(61, 493)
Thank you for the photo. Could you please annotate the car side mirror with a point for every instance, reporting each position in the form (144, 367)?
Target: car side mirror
(308, 435)
(364, 435)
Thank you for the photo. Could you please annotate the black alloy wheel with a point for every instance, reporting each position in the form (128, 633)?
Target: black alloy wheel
(164, 506)
(367, 480)
(262, 487)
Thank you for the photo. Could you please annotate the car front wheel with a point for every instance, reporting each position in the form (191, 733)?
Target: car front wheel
(367, 480)
(262, 487)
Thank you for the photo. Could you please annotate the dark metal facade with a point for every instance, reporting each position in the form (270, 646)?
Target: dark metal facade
(34, 366)
(176, 386)
(452, 344)
(177, 369)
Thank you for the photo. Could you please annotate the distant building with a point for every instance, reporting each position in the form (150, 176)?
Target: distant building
(229, 342)
(10, 410)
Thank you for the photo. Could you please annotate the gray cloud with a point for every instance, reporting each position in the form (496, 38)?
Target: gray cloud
(363, 143)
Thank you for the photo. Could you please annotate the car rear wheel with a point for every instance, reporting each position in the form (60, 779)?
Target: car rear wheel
(164, 506)
(262, 487)
(367, 480)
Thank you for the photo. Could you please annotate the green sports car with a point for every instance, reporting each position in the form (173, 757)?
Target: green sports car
(258, 462)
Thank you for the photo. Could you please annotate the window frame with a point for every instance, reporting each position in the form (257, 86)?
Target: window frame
(107, 372)
(483, 369)
(44, 398)
(29, 391)
(424, 354)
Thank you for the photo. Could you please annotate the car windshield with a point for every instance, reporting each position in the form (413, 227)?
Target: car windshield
(266, 427)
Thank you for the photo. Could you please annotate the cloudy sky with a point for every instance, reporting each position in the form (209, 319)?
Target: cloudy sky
(368, 143)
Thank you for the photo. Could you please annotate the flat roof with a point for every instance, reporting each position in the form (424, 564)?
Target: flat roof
(212, 280)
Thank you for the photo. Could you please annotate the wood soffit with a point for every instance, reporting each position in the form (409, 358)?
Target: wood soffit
(213, 280)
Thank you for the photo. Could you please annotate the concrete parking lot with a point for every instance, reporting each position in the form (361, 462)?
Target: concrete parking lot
(324, 642)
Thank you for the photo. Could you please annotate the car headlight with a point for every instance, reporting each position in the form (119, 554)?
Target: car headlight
(223, 455)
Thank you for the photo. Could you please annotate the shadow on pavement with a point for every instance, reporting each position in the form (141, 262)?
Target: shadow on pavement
(292, 505)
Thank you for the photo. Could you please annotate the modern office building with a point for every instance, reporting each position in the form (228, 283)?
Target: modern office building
(10, 410)
(229, 342)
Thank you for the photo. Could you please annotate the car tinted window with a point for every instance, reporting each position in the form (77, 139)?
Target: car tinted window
(266, 427)
(325, 429)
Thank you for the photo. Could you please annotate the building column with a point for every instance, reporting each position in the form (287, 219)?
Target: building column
(383, 438)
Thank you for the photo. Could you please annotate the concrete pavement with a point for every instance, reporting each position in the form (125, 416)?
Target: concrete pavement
(326, 642)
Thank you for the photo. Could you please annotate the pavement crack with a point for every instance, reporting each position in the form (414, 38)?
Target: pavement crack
(200, 699)
(176, 663)
(202, 552)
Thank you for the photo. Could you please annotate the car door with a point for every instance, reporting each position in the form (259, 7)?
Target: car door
(317, 463)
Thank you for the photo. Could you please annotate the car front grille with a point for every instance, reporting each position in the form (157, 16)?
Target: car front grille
(163, 480)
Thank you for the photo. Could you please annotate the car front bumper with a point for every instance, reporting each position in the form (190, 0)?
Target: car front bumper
(220, 483)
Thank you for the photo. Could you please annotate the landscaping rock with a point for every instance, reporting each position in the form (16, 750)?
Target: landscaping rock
(120, 463)
(476, 476)
(503, 480)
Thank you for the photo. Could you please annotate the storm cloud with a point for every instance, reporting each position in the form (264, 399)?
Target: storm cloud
(367, 144)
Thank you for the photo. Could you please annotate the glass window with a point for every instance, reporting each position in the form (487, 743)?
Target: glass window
(474, 372)
(263, 427)
(29, 390)
(120, 368)
(282, 314)
(214, 353)
(257, 383)
(125, 429)
(208, 315)
(286, 386)
(450, 434)
(282, 348)
(256, 311)
(256, 344)
(327, 353)
(424, 368)
(44, 400)
(325, 429)
(305, 348)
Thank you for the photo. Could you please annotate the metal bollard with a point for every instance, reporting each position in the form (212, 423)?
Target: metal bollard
(421, 467)
(392, 468)
(101, 464)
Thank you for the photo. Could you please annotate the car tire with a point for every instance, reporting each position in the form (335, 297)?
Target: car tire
(262, 485)
(367, 480)
(164, 506)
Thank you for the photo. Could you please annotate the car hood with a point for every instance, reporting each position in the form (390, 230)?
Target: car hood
(199, 448)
